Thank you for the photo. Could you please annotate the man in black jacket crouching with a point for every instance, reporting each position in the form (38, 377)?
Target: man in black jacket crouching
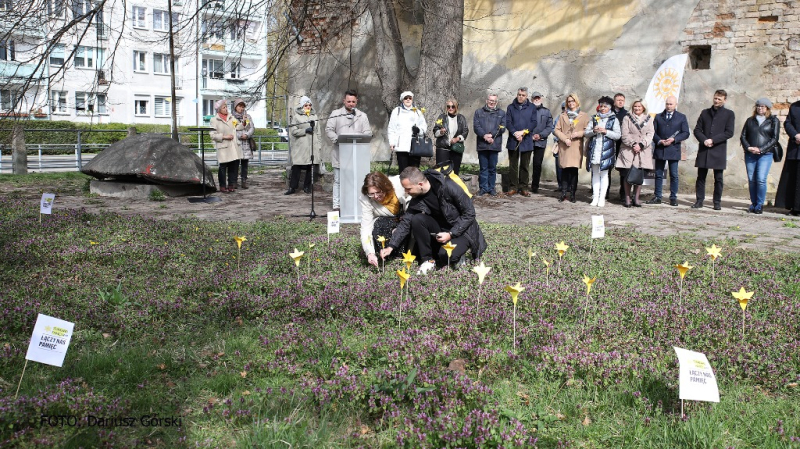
(439, 212)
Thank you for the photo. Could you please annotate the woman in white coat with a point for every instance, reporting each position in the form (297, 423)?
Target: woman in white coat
(227, 146)
(405, 121)
(383, 202)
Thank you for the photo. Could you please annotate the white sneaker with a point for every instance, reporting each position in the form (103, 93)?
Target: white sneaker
(426, 267)
(601, 203)
(595, 201)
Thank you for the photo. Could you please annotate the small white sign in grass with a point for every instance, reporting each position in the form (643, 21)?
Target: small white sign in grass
(49, 342)
(697, 380)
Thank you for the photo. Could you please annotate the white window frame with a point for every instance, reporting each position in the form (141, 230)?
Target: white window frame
(161, 64)
(137, 103)
(7, 100)
(101, 104)
(79, 7)
(139, 59)
(55, 8)
(208, 106)
(163, 17)
(6, 5)
(56, 48)
(88, 58)
(58, 102)
(82, 100)
(8, 49)
(235, 71)
(139, 17)
(164, 104)
(215, 68)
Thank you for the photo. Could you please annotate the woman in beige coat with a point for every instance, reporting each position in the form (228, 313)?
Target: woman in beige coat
(569, 131)
(226, 145)
(305, 130)
(637, 147)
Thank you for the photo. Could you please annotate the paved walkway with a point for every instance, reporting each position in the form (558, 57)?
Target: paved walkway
(774, 230)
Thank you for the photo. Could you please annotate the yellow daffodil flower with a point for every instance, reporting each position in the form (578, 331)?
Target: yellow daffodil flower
(449, 247)
(408, 258)
(714, 251)
(296, 256)
(561, 248)
(514, 291)
(588, 281)
(439, 122)
(382, 239)
(683, 268)
(742, 296)
(403, 275)
(239, 241)
(481, 270)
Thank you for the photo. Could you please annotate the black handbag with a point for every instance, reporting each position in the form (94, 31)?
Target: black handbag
(635, 174)
(421, 146)
(777, 152)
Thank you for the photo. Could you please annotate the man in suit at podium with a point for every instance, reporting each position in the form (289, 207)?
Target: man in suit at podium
(346, 120)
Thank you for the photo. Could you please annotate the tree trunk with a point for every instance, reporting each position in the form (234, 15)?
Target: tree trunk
(441, 49)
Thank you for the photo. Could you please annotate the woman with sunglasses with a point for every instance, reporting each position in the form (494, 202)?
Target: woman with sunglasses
(450, 131)
(383, 201)
(405, 121)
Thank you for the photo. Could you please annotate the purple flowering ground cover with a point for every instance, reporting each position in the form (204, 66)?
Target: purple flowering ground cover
(168, 326)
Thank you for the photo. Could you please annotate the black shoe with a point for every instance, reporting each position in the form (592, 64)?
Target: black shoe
(758, 211)
(794, 213)
(697, 205)
(717, 206)
(534, 190)
(289, 192)
(673, 202)
(637, 204)
(572, 197)
(306, 189)
(653, 201)
(562, 197)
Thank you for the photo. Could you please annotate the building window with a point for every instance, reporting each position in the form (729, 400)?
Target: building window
(161, 64)
(138, 17)
(6, 5)
(79, 8)
(100, 103)
(7, 99)
(215, 68)
(139, 61)
(100, 25)
(213, 30)
(162, 106)
(58, 102)
(236, 70)
(140, 107)
(81, 100)
(57, 54)
(89, 57)
(55, 8)
(208, 107)
(161, 19)
(700, 57)
(7, 52)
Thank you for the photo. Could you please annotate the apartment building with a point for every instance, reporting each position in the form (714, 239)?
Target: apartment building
(114, 64)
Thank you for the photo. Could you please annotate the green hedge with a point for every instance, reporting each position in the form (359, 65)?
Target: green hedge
(69, 139)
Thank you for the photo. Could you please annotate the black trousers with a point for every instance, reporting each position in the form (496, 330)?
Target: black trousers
(700, 185)
(536, 172)
(244, 164)
(405, 160)
(443, 154)
(229, 170)
(569, 180)
(422, 226)
(295, 179)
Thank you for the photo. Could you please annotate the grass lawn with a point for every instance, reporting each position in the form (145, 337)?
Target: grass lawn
(179, 342)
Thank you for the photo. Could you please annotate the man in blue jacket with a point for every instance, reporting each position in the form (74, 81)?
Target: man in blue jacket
(489, 124)
(520, 121)
(671, 128)
(544, 127)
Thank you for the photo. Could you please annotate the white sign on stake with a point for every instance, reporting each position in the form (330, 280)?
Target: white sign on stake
(333, 222)
(697, 380)
(598, 227)
(50, 340)
(46, 205)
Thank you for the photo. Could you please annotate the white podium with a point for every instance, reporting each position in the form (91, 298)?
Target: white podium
(354, 158)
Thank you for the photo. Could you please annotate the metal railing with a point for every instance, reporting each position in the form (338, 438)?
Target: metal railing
(43, 157)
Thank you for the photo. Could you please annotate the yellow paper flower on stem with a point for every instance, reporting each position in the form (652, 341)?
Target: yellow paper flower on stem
(546, 263)
(439, 122)
(408, 258)
(501, 127)
(742, 296)
(296, 256)
(382, 239)
(311, 245)
(449, 247)
(235, 122)
(714, 251)
(239, 240)
(481, 270)
(561, 248)
(308, 113)
(683, 268)
(589, 281)
(525, 131)
(514, 291)
(423, 110)
(403, 275)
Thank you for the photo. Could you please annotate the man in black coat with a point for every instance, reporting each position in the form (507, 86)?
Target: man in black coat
(671, 128)
(714, 128)
(439, 212)
(620, 112)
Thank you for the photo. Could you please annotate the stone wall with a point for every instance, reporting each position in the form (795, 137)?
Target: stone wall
(591, 48)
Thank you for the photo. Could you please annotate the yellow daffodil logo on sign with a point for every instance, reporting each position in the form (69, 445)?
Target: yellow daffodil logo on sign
(667, 83)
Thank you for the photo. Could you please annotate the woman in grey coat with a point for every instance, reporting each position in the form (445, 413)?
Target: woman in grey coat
(305, 131)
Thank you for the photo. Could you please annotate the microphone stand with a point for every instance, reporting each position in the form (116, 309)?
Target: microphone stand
(312, 215)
